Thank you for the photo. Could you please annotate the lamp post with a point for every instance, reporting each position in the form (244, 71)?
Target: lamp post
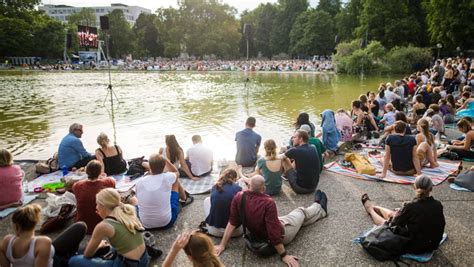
(439, 46)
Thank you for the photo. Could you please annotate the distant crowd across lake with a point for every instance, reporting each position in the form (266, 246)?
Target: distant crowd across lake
(315, 65)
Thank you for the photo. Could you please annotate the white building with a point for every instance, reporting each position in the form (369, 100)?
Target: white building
(62, 12)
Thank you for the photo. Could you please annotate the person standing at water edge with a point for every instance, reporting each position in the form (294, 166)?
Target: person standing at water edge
(248, 143)
(71, 152)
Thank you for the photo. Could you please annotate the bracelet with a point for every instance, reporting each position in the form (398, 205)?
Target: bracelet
(282, 255)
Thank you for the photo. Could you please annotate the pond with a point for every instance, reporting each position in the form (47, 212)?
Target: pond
(36, 108)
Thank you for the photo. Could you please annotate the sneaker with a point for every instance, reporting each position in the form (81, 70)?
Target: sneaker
(321, 198)
(153, 252)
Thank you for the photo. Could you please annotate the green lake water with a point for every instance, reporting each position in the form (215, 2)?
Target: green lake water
(36, 108)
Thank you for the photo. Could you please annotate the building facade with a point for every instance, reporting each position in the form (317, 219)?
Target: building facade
(62, 12)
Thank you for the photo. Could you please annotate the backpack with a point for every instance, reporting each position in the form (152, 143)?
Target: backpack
(135, 168)
(51, 165)
(384, 244)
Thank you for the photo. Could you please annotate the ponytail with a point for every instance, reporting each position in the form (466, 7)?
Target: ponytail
(27, 217)
(229, 176)
(424, 125)
(123, 213)
(270, 149)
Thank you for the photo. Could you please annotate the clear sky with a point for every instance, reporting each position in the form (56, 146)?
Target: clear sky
(241, 5)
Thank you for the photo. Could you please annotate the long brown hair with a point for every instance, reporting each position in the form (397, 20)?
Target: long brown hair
(201, 249)
(173, 147)
(229, 176)
(425, 130)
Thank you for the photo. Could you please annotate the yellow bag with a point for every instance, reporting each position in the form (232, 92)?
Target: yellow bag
(361, 163)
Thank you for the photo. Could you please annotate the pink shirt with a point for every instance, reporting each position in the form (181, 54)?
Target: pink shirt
(344, 124)
(10, 184)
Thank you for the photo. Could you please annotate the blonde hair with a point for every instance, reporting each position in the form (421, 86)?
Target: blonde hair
(270, 149)
(6, 158)
(201, 249)
(425, 130)
(26, 218)
(123, 213)
(103, 140)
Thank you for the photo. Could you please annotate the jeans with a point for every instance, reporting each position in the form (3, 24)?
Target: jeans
(292, 176)
(119, 261)
(293, 221)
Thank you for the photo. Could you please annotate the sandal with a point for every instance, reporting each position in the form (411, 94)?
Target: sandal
(189, 199)
(364, 198)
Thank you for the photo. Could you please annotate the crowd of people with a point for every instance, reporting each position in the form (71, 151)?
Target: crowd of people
(318, 64)
(408, 116)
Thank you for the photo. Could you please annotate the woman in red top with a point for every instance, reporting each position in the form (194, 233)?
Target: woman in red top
(11, 177)
(85, 192)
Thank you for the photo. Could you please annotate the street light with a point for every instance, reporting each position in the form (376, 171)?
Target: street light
(439, 46)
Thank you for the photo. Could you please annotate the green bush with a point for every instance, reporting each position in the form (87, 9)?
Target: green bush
(408, 59)
(351, 59)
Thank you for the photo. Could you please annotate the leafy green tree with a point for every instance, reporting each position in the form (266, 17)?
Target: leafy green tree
(22, 9)
(169, 24)
(450, 23)
(287, 12)
(347, 20)
(85, 17)
(147, 39)
(120, 34)
(48, 37)
(330, 6)
(388, 21)
(312, 34)
(264, 29)
(16, 36)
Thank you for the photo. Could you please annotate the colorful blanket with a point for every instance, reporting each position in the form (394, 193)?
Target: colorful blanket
(26, 199)
(437, 175)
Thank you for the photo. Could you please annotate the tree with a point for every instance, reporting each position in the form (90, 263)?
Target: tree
(169, 24)
(347, 20)
(18, 9)
(312, 34)
(147, 39)
(330, 6)
(120, 34)
(264, 28)
(388, 21)
(287, 12)
(450, 23)
(85, 17)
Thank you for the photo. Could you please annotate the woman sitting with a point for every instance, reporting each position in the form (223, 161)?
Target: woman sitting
(426, 150)
(344, 124)
(463, 148)
(23, 248)
(363, 119)
(174, 153)
(419, 109)
(270, 167)
(331, 135)
(217, 206)
(86, 191)
(303, 118)
(421, 220)
(11, 178)
(447, 111)
(110, 156)
(467, 108)
(198, 247)
(122, 229)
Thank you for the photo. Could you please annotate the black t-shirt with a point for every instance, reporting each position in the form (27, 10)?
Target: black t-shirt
(422, 220)
(307, 165)
(375, 110)
(401, 151)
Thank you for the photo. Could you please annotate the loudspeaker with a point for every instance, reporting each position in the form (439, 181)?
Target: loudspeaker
(104, 22)
(247, 30)
(69, 40)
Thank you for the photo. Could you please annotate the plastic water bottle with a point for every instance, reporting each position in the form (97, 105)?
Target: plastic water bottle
(65, 170)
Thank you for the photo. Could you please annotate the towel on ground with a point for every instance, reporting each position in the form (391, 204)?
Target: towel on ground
(26, 200)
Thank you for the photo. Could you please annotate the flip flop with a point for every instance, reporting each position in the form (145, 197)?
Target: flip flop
(364, 198)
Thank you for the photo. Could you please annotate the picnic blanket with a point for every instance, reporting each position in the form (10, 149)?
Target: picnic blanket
(459, 188)
(437, 175)
(201, 186)
(424, 257)
(26, 199)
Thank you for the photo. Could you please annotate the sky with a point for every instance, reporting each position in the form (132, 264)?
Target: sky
(241, 5)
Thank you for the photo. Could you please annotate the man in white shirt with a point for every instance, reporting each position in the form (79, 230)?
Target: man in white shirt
(390, 95)
(159, 195)
(199, 158)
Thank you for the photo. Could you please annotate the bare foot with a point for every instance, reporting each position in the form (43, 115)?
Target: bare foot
(435, 165)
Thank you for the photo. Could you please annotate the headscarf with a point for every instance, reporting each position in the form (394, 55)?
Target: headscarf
(331, 135)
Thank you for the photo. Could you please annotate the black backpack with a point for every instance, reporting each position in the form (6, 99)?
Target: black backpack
(384, 244)
(135, 168)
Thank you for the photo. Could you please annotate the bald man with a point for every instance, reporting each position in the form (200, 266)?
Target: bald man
(261, 218)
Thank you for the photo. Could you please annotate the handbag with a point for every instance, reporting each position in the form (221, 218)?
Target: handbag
(258, 246)
(384, 244)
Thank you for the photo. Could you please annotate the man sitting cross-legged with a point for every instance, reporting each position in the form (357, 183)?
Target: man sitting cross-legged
(159, 194)
(261, 218)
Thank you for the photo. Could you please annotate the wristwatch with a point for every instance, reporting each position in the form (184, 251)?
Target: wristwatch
(282, 255)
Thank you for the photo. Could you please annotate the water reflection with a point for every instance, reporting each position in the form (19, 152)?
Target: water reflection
(36, 109)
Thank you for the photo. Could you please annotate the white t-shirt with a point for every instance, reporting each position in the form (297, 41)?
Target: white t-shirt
(391, 96)
(153, 194)
(200, 158)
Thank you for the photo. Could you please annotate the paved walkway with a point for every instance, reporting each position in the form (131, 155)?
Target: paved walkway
(328, 241)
